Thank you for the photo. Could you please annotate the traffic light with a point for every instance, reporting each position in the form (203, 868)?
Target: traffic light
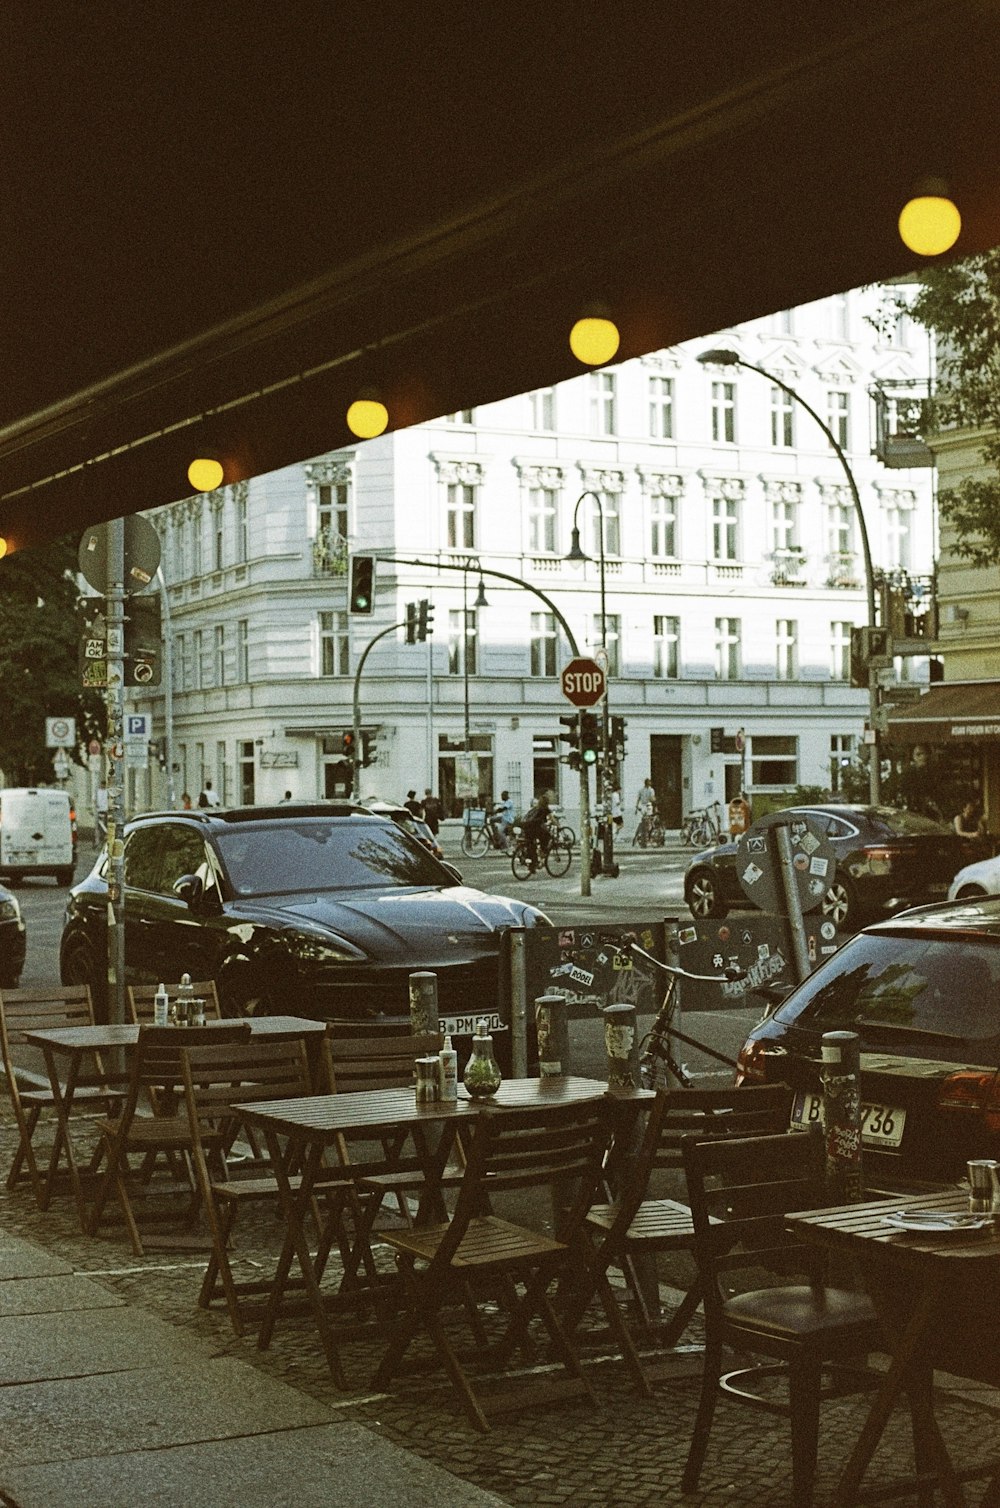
(618, 736)
(425, 617)
(590, 737)
(411, 623)
(362, 595)
(573, 739)
(347, 745)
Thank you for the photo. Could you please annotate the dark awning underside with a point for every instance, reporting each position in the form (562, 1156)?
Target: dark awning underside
(219, 221)
(964, 712)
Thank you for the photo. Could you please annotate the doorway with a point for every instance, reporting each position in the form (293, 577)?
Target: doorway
(665, 773)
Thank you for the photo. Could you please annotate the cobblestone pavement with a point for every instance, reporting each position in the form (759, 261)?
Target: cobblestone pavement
(627, 1450)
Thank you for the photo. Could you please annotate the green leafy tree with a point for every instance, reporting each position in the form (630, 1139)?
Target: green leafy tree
(38, 660)
(960, 303)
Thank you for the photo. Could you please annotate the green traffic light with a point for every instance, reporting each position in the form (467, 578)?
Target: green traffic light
(590, 756)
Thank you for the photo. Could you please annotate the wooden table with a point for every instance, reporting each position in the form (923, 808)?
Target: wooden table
(936, 1299)
(299, 1132)
(74, 1044)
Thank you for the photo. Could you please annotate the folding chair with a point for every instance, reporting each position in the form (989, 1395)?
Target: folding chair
(156, 1084)
(508, 1150)
(23, 1011)
(214, 1078)
(140, 1000)
(740, 1190)
(629, 1233)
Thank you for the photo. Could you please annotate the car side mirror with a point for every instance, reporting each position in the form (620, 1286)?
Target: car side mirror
(456, 874)
(191, 889)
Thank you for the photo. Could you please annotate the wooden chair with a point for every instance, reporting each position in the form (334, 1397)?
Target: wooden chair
(156, 1081)
(508, 1150)
(22, 1011)
(354, 1065)
(140, 1000)
(629, 1233)
(740, 1190)
(214, 1078)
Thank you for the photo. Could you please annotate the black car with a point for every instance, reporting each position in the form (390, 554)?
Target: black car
(320, 911)
(922, 991)
(886, 859)
(12, 940)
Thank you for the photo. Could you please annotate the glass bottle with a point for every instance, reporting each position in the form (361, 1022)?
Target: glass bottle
(185, 994)
(482, 1075)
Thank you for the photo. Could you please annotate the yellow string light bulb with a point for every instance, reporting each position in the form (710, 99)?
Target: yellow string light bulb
(3, 547)
(205, 474)
(594, 340)
(929, 224)
(367, 416)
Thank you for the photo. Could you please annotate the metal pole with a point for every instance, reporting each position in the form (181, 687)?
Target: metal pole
(874, 769)
(465, 651)
(168, 687)
(115, 702)
(793, 903)
(603, 793)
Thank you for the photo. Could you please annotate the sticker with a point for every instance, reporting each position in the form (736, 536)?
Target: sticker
(587, 939)
(717, 961)
(756, 845)
(567, 938)
(828, 930)
(748, 936)
(623, 962)
(602, 958)
(687, 935)
(819, 866)
(827, 948)
(816, 887)
(801, 862)
(752, 874)
(723, 934)
(763, 951)
(809, 842)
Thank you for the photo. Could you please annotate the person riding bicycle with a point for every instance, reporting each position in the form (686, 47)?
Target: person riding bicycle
(504, 815)
(535, 828)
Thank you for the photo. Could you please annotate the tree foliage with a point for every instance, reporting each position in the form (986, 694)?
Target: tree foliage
(960, 303)
(38, 660)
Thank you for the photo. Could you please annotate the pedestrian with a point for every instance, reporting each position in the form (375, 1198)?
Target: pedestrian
(101, 813)
(187, 804)
(616, 807)
(413, 805)
(645, 805)
(432, 811)
(971, 828)
(208, 797)
(504, 813)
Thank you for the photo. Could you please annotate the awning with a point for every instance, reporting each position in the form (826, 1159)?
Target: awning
(963, 712)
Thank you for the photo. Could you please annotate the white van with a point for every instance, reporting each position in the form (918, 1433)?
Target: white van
(37, 834)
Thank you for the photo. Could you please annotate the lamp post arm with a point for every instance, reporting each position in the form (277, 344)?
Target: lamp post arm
(448, 565)
(849, 474)
(356, 764)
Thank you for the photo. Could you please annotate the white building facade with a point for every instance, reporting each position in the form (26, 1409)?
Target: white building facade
(733, 575)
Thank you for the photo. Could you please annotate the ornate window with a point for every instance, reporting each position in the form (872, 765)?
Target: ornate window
(328, 492)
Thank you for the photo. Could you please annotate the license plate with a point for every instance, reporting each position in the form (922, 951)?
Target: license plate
(881, 1125)
(465, 1026)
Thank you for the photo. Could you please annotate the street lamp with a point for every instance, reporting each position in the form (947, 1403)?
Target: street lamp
(472, 563)
(726, 358)
(579, 556)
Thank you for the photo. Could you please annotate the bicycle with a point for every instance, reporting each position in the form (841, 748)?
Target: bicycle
(650, 833)
(703, 827)
(490, 833)
(557, 857)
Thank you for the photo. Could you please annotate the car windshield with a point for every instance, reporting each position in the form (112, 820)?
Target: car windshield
(317, 854)
(941, 986)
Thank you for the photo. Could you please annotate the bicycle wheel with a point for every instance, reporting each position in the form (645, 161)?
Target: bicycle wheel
(475, 841)
(520, 862)
(566, 836)
(639, 836)
(558, 859)
(657, 835)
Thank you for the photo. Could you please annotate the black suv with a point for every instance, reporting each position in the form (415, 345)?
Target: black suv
(922, 992)
(309, 910)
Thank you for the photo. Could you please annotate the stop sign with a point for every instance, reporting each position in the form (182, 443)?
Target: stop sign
(583, 682)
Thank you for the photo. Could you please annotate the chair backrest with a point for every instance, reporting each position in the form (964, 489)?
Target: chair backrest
(217, 1075)
(25, 1010)
(140, 999)
(382, 1062)
(156, 1062)
(740, 1189)
(510, 1150)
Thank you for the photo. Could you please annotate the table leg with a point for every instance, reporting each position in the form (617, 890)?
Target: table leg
(906, 1371)
(296, 1207)
(62, 1095)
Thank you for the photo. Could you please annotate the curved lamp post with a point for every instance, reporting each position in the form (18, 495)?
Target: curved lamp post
(576, 554)
(727, 358)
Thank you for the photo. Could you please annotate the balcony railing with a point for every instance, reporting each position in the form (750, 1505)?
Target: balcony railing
(788, 566)
(329, 552)
(903, 419)
(842, 570)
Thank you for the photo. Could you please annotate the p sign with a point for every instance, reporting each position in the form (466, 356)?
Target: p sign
(583, 682)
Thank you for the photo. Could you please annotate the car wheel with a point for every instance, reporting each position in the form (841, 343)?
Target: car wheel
(77, 964)
(840, 904)
(701, 891)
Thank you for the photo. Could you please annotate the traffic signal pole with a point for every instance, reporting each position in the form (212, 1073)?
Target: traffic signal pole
(356, 761)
